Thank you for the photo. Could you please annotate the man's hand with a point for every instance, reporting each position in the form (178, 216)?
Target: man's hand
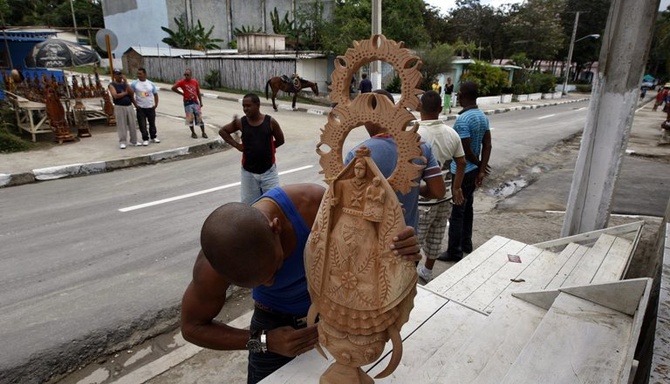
(290, 342)
(457, 196)
(406, 245)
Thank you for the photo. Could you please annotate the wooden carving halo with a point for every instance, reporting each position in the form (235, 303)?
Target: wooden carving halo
(349, 114)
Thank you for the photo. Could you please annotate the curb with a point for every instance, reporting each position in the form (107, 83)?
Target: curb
(83, 169)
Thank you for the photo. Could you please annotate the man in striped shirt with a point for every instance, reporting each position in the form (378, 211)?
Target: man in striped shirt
(473, 128)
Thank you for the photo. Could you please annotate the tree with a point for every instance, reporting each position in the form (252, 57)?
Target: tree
(480, 25)
(537, 23)
(190, 37)
(659, 55)
(401, 20)
(436, 25)
(435, 61)
(490, 80)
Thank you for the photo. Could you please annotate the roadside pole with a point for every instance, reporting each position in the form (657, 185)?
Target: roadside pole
(376, 66)
(613, 100)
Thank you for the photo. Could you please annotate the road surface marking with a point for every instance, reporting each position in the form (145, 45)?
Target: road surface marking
(210, 190)
(546, 116)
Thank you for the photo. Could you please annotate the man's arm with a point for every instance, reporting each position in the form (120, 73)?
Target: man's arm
(226, 131)
(201, 303)
(486, 154)
(197, 91)
(456, 191)
(467, 148)
(117, 95)
(155, 96)
(131, 93)
(277, 132)
(175, 88)
(434, 187)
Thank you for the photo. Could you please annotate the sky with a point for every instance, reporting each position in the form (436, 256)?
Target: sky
(445, 5)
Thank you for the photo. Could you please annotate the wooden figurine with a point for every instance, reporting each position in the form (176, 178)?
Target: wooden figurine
(108, 108)
(56, 114)
(361, 292)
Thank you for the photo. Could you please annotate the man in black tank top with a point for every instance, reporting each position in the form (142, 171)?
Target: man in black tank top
(261, 135)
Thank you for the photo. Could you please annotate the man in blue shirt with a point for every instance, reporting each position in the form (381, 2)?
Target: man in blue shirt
(473, 128)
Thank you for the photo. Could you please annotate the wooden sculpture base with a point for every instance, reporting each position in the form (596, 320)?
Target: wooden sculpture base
(338, 373)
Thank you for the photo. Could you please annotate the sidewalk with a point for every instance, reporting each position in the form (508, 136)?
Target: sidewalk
(100, 153)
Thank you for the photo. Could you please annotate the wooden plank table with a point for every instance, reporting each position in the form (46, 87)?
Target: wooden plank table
(31, 116)
(435, 323)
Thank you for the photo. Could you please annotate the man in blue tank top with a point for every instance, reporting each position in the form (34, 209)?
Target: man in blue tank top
(261, 135)
(260, 246)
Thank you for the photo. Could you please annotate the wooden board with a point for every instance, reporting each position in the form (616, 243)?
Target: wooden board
(308, 367)
(576, 342)
(490, 351)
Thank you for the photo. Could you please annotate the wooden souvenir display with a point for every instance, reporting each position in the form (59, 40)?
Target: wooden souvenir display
(360, 290)
(108, 108)
(56, 114)
(80, 119)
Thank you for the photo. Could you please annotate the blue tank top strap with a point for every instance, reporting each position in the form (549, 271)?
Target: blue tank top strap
(288, 294)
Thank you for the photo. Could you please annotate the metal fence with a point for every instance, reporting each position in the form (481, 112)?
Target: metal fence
(236, 73)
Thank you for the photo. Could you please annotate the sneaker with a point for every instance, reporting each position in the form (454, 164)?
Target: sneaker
(122, 146)
(204, 135)
(193, 135)
(138, 144)
(444, 256)
(155, 140)
(424, 273)
(145, 142)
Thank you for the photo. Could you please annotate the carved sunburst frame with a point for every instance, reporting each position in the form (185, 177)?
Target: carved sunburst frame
(349, 114)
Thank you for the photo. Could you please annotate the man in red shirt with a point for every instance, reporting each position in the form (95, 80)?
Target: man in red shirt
(189, 88)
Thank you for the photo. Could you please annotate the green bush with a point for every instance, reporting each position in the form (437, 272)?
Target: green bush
(532, 82)
(394, 85)
(583, 88)
(213, 78)
(489, 79)
(10, 142)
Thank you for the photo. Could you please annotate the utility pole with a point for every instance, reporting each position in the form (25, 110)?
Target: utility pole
(613, 101)
(572, 46)
(375, 66)
(74, 21)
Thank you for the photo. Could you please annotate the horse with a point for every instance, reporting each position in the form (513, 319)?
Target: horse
(294, 86)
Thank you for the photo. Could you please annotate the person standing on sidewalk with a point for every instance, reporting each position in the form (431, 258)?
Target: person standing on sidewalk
(146, 99)
(122, 96)
(473, 128)
(261, 135)
(189, 88)
(448, 90)
(433, 214)
(365, 86)
(260, 246)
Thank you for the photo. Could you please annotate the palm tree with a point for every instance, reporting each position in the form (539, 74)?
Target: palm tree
(191, 37)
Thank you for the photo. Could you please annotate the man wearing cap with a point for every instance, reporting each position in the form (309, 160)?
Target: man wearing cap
(189, 88)
(123, 98)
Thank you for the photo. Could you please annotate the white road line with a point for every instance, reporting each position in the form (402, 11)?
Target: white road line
(210, 190)
(579, 109)
(546, 116)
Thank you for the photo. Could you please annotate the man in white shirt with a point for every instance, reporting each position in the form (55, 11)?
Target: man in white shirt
(146, 99)
(434, 214)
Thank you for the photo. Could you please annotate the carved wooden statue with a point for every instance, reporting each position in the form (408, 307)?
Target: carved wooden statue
(56, 114)
(360, 290)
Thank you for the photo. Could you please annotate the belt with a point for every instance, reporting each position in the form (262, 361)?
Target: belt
(298, 321)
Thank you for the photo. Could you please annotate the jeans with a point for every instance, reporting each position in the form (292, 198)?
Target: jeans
(261, 364)
(144, 114)
(253, 185)
(460, 221)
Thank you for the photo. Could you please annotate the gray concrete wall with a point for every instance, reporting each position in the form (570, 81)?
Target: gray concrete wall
(135, 23)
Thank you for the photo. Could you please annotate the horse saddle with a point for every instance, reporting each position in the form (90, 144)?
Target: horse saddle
(293, 82)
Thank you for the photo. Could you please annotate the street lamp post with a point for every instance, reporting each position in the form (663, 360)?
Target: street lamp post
(572, 46)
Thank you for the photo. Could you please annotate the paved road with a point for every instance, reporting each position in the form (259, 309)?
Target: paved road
(88, 263)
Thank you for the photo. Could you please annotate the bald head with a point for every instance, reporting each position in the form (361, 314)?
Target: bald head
(237, 240)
